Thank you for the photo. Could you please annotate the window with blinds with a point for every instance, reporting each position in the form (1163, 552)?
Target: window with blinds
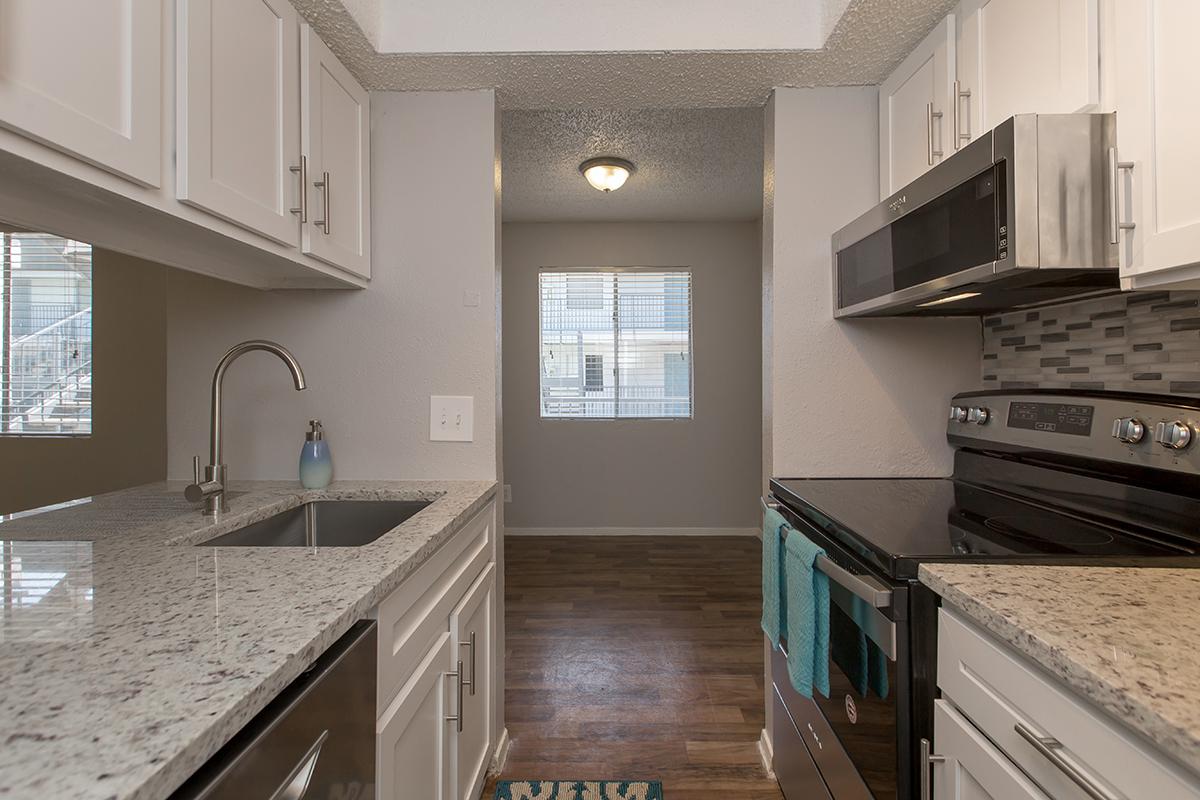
(45, 335)
(616, 343)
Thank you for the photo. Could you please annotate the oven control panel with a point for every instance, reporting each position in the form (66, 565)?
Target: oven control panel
(1148, 430)
(1070, 418)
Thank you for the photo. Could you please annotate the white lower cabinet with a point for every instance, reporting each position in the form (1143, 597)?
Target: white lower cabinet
(413, 736)
(971, 768)
(437, 714)
(472, 627)
(1006, 729)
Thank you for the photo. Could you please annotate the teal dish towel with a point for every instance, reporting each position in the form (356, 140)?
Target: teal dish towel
(807, 593)
(774, 614)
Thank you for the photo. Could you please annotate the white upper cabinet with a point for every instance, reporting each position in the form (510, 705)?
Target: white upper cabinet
(238, 113)
(1158, 161)
(913, 106)
(1025, 56)
(335, 138)
(86, 78)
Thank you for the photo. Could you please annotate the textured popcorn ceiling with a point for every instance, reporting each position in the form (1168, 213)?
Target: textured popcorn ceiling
(871, 37)
(692, 164)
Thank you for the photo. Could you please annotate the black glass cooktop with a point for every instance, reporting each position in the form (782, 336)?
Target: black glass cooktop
(898, 523)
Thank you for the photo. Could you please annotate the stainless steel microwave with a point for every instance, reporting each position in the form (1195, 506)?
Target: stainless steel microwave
(1023, 216)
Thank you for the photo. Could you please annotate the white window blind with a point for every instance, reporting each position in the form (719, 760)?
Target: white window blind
(45, 335)
(616, 343)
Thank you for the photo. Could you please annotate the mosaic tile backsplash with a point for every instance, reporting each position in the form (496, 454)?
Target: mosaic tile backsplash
(1139, 341)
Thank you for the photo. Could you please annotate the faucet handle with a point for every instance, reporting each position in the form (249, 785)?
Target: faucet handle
(200, 490)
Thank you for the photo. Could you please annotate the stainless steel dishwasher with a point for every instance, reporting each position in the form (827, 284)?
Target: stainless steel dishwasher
(315, 741)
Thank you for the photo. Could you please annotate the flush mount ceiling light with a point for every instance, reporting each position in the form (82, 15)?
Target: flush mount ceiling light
(606, 173)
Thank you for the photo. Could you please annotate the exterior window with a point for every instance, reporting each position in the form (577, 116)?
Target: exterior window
(45, 335)
(616, 344)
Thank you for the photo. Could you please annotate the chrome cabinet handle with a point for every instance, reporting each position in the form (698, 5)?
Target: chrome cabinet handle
(471, 644)
(1115, 225)
(323, 185)
(302, 171)
(1049, 748)
(961, 94)
(296, 783)
(930, 114)
(928, 759)
(456, 717)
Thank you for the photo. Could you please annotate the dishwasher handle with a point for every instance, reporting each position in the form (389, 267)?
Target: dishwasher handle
(295, 785)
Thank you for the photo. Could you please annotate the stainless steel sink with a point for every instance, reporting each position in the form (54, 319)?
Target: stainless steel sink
(324, 523)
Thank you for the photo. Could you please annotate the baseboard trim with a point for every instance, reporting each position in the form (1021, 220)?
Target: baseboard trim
(766, 753)
(500, 755)
(511, 531)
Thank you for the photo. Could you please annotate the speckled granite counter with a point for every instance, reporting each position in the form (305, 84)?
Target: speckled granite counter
(128, 657)
(1125, 638)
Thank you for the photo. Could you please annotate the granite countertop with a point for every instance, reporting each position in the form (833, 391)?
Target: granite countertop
(1123, 637)
(128, 657)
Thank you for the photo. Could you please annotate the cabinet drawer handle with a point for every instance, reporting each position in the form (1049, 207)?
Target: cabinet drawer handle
(961, 94)
(1049, 748)
(928, 759)
(323, 185)
(302, 171)
(295, 785)
(1115, 168)
(471, 644)
(457, 717)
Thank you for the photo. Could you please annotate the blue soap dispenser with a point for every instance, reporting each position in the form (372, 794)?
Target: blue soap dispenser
(316, 463)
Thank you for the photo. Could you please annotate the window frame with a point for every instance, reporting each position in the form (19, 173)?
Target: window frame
(691, 319)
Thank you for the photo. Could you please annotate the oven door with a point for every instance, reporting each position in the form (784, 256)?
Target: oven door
(856, 737)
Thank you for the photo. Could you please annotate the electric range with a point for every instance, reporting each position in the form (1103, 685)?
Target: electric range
(1045, 477)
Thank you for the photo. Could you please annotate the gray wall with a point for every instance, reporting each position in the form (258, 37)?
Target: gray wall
(1141, 342)
(843, 398)
(128, 444)
(373, 357)
(622, 474)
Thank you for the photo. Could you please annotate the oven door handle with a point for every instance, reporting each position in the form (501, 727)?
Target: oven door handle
(864, 587)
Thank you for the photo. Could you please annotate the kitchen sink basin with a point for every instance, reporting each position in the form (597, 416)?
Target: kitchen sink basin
(324, 523)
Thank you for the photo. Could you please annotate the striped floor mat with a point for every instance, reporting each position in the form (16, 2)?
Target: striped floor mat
(579, 790)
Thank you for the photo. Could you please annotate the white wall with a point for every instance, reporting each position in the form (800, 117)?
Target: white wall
(372, 357)
(701, 473)
(843, 398)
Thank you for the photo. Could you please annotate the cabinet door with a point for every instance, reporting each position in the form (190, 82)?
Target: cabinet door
(335, 137)
(413, 735)
(1157, 120)
(471, 629)
(86, 78)
(238, 113)
(973, 769)
(913, 103)
(1025, 56)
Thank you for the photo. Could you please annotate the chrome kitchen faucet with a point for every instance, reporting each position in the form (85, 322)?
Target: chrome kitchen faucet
(212, 489)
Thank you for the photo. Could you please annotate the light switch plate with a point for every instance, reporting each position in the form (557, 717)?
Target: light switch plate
(451, 419)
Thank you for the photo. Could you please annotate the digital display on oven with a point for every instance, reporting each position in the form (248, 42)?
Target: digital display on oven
(1051, 417)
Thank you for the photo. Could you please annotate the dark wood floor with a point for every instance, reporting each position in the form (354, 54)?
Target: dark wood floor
(636, 657)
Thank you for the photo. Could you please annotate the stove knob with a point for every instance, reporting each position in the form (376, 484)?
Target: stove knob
(1129, 430)
(1173, 435)
(979, 416)
(958, 414)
